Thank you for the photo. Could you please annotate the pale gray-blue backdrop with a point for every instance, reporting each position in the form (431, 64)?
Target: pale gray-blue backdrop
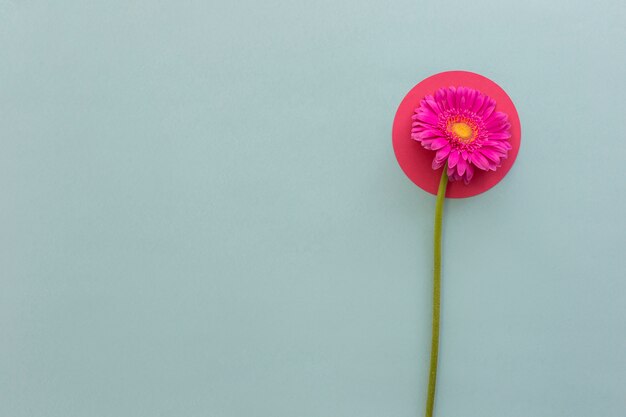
(201, 213)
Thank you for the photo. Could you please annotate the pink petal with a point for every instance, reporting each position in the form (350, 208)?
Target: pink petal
(499, 135)
(452, 175)
(430, 102)
(469, 173)
(443, 153)
(498, 143)
(489, 109)
(461, 166)
(471, 96)
(496, 116)
(451, 97)
(497, 125)
(489, 154)
(479, 160)
(427, 117)
(440, 98)
(438, 144)
(437, 164)
(430, 133)
(478, 103)
(460, 95)
(427, 141)
(453, 158)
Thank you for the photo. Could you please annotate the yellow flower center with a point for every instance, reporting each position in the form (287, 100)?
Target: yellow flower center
(463, 131)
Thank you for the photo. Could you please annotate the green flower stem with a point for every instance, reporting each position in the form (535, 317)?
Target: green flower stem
(434, 347)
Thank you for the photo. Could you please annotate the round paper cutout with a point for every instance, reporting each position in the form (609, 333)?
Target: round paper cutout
(416, 162)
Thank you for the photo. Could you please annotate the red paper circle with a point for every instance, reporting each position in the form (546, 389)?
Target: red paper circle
(416, 161)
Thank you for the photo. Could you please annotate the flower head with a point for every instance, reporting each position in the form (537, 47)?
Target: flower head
(462, 126)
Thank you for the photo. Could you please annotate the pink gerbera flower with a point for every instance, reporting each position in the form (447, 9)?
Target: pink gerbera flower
(464, 129)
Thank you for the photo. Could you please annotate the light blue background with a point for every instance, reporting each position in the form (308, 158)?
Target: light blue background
(202, 214)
